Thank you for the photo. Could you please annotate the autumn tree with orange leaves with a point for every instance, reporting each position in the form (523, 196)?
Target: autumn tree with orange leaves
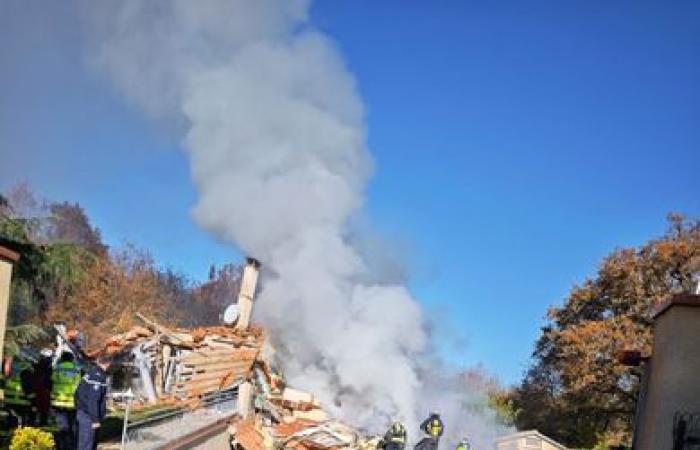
(66, 274)
(576, 391)
(113, 290)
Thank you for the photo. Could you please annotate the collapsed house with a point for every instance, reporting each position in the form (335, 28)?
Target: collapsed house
(162, 365)
(177, 365)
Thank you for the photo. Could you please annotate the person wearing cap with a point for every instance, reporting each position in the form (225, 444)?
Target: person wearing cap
(91, 403)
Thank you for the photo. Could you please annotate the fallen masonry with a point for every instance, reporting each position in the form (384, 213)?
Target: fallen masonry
(159, 365)
(176, 365)
(184, 367)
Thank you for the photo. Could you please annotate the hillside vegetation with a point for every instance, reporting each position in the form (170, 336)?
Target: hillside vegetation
(67, 274)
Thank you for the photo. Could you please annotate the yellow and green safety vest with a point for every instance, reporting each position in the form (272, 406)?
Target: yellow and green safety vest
(64, 380)
(14, 394)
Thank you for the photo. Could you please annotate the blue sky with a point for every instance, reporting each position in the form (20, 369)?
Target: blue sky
(515, 145)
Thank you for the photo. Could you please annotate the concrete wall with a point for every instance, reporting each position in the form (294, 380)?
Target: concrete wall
(673, 376)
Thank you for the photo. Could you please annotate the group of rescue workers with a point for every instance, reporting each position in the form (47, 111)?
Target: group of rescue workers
(395, 437)
(72, 391)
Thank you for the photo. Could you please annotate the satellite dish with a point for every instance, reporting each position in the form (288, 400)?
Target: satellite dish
(231, 314)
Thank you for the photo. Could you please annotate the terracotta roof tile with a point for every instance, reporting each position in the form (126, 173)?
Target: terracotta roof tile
(248, 436)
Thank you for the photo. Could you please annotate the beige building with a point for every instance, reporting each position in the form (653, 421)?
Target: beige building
(528, 440)
(7, 259)
(668, 411)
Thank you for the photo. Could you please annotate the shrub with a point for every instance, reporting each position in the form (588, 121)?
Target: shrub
(28, 438)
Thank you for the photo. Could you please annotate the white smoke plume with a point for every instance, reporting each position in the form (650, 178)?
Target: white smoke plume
(275, 132)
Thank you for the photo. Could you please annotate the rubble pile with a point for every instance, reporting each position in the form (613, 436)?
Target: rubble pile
(292, 419)
(186, 366)
(301, 434)
(174, 365)
(183, 365)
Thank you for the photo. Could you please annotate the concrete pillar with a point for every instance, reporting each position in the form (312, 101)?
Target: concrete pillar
(245, 399)
(246, 294)
(7, 259)
(669, 404)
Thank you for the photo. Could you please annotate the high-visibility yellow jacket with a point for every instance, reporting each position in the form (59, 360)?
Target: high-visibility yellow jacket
(64, 380)
(14, 393)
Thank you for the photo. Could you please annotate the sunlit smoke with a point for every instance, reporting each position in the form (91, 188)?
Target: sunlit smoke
(274, 128)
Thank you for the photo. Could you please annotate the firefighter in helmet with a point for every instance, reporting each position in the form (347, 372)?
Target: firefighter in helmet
(464, 444)
(432, 426)
(394, 438)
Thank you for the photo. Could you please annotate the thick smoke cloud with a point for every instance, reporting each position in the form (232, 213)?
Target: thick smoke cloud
(274, 128)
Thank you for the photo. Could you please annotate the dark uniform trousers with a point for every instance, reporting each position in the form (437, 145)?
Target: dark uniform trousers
(67, 430)
(91, 407)
(394, 446)
(87, 435)
(427, 443)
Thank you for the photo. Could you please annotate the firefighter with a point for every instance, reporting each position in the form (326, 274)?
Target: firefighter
(394, 438)
(433, 428)
(64, 382)
(464, 445)
(91, 404)
(19, 395)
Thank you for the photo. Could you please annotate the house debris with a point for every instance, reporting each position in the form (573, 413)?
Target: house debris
(183, 365)
(299, 434)
(164, 365)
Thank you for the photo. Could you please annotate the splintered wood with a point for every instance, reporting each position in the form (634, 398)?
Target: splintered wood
(211, 369)
(184, 365)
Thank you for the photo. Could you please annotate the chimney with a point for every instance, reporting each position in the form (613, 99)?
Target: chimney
(7, 259)
(246, 293)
